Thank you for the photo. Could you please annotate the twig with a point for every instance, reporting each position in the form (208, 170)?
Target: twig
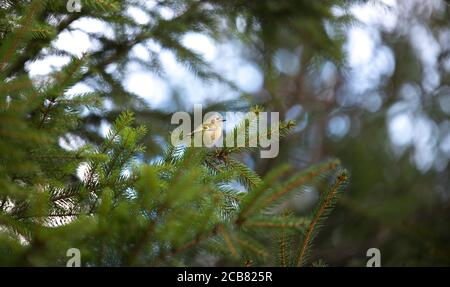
(318, 215)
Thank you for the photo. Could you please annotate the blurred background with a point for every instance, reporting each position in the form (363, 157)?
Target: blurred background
(367, 82)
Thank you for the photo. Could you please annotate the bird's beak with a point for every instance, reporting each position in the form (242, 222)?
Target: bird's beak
(223, 120)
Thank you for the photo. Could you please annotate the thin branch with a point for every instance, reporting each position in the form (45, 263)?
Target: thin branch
(302, 180)
(312, 226)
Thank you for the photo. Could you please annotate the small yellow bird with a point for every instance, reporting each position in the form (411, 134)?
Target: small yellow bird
(211, 129)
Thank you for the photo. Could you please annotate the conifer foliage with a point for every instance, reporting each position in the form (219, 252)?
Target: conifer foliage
(183, 209)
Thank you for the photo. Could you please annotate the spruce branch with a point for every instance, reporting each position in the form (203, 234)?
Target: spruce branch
(325, 206)
(10, 45)
(127, 210)
(282, 248)
(275, 222)
(253, 196)
(252, 246)
(227, 237)
(312, 173)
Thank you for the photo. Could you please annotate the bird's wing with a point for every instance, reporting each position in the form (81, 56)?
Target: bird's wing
(202, 128)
